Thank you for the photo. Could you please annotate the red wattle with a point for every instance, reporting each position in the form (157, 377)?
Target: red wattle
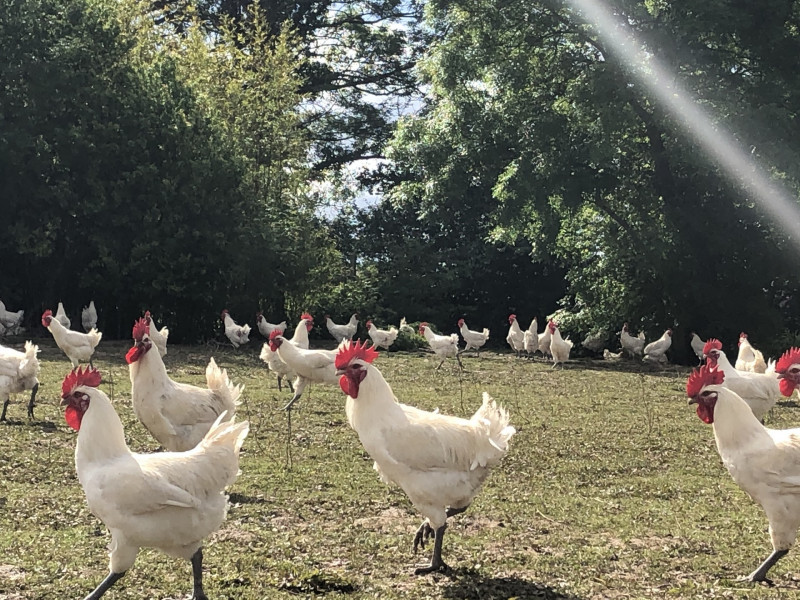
(787, 387)
(706, 413)
(348, 386)
(133, 354)
(73, 417)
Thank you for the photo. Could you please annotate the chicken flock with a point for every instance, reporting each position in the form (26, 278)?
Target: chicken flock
(173, 499)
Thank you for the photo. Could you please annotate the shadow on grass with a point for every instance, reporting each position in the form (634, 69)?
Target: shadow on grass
(468, 584)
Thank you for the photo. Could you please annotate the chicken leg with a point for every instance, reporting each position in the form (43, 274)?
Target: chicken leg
(104, 585)
(760, 574)
(197, 576)
(424, 533)
(30, 404)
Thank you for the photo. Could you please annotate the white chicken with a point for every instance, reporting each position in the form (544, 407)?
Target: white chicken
(765, 463)
(89, 317)
(443, 346)
(311, 366)
(169, 500)
(76, 345)
(178, 415)
(515, 336)
(342, 332)
(474, 340)
(697, 346)
(632, 346)
(265, 327)
(530, 339)
(304, 326)
(237, 334)
(157, 336)
(749, 359)
(595, 341)
(10, 320)
(274, 362)
(406, 327)
(559, 347)
(544, 342)
(759, 390)
(656, 351)
(61, 316)
(18, 373)
(381, 338)
(438, 460)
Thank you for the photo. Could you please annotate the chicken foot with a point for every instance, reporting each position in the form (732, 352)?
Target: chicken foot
(5, 406)
(30, 404)
(760, 574)
(426, 532)
(104, 585)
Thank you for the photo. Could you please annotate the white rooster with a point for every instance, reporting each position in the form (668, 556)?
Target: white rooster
(18, 372)
(265, 327)
(11, 321)
(530, 341)
(765, 463)
(697, 345)
(157, 336)
(76, 345)
(559, 347)
(443, 346)
(515, 336)
(168, 500)
(381, 338)
(342, 332)
(749, 359)
(237, 334)
(89, 317)
(311, 366)
(438, 460)
(61, 316)
(633, 346)
(759, 390)
(274, 362)
(178, 415)
(656, 351)
(475, 340)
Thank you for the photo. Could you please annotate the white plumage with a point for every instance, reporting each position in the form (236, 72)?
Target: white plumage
(656, 351)
(311, 366)
(342, 332)
(18, 372)
(633, 346)
(443, 346)
(749, 359)
(439, 461)
(178, 415)
(237, 334)
(265, 327)
(157, 336)
(697, 346)
(559, 347)
(76, 345)
(169, 500)
(10, 321)
(89, 317)
(530, 338)
(381, 338)
(474, 340)
(515, 336)
(61, 316)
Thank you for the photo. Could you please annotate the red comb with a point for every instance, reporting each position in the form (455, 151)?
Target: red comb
(89, 377)
(139, 329)
(147, 314)
(350, 351)
(307, 317)
(701, 378)
(790, 357)
(45, 314)
(712, 344)
(275, 333)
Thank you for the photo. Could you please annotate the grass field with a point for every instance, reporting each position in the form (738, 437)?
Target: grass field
(612, 489)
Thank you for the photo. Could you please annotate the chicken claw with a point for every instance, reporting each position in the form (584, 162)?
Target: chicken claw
(424, 533)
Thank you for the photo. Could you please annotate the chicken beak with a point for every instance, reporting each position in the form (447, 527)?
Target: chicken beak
(340, 372)
(780, 375)
(63, 402)
(692, 401)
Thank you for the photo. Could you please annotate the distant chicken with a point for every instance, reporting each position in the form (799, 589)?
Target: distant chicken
(168, 500)
(381, 338)
(342, 332)
(304, 327)
(76, 345)
(178, 415)
(265, 327)
(18, 373)
(405, 326)
(759, 390)
(632, 346)
(749, 359)
(311, 366)
(274, 362)
(237, 334)
(475, 340)
(765, 463)
(443, 346)
(10, 320)
(559, 347)
(61, 316)
(530, 337)
(438, 460)
(89, 317)
(595, 341)
(515, 337)
(697, 346)
(157, 336)
(544, 342)
(656, 351)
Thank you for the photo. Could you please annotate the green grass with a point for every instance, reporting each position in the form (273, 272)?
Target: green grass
(612, 489)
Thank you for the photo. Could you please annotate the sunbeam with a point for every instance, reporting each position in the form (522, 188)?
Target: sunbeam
(775, 201)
